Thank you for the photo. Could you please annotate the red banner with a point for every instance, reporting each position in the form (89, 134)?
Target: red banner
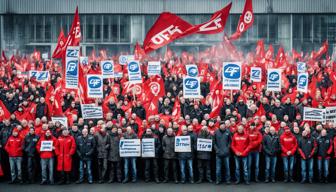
(60, 45)
(245, 21)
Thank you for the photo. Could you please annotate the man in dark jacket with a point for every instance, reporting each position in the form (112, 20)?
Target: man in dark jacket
(129, 134)
(102, 140)
(41, 108)
(307, 148)
(271, 147)
(113, 156)
(139, 110)
(169, 155)
(204, 156)
(222, 142)
(278, 110)
(152, 160)
(29, 148)
(186, 158)
(324, 149)
(86, 145)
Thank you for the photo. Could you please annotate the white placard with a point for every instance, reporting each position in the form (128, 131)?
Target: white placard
(231, 75)
(46, 146)
(62, 120)
(124, 59)
(256, 74)
(192, 70)
(45, 56)
(301, 67)
(204, 144)
(302, 82)
(274, 79)
(191, 87)
(330, 114)
(41, 76)
(154, 68)
(71, 67)
(130, 148)
(182, 144)
(90, 111)
(94, 86)
(107, 68)
(84, 60)
(148, 147)
(313, 114)
(134, 72)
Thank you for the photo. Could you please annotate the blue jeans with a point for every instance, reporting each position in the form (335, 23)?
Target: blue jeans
(47, 163)
(15, 167)
(270, 166)
(190, 168)
(288, 164)
(325, 163)
(88, 164)
(219, 161)
(253, 156)
(133, 166)
(307, 163)
(245, 168)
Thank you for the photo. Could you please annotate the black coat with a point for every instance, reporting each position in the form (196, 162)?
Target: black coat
(85, 147)
(113, 154)
(204, 154)
(103, 144)
(29, 145)
(324, 146)
(140, 112)
(41, 110)
(168, 147)
(271, 144)
(222, 142)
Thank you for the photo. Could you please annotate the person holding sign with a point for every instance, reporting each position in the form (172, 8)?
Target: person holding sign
(86, 145)
(240, 147)
(222, 142)
(169, 155)
(152, 160)
(307, 147)
(204, 155)
(66, 148)
(129, 134)
(15, 153)
(186, 158)
(46, 147)
(114, 156)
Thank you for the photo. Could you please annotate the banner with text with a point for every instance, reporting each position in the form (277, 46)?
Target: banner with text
(134, 72)
(107, 69)
(204, 144)
(274, 80)
(256, 74)
(313, 114)
(90, 111)
(148, 147)
(41, 76)
(94, 86)
(302, 82)
(129, 148)
(231, 75)
(71, 67)
(182, 144)
(154, 68)
(192, 70)
(191, 87)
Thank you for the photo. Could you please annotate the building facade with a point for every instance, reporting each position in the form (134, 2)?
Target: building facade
(116, 25)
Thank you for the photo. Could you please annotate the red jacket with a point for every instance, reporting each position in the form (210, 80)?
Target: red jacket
(14, 146)
(240, 143)
(255, 138)
(66, 148)
(288, 142)
(46, 154)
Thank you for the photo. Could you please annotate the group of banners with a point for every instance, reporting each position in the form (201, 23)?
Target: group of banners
(327, 114)
(146, 146)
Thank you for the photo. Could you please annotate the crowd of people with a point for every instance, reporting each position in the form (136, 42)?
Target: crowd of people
(256, 132)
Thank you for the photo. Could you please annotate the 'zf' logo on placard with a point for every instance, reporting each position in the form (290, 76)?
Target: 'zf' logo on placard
(232, 71)
(191, 83)
(94, 82)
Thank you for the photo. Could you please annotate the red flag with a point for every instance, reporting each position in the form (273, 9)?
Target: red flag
(3, 57)
(261, 111)
(154, 88)
(260, 50)
(280, 59)
(167, 28)
(151, 108)
(176, 113)
(245, 21)
(60, 45)
(139, 53)
(4, 113)
(321, 51)
(216, 23)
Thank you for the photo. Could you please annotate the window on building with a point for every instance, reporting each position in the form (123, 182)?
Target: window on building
(114, 27)
(89, 28)
(125, 25)
(97, 28)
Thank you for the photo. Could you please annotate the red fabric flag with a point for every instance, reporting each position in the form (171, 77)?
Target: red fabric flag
(3, 57)
(245, 21)
(4, 113)
(260, 50)
(167, 28)
(82, 91)
(176, 113)
(151, 108)
(216, 23)
(60, 45)
(280, 59)
(154, 88)
(321, 51)
(261, 111)
(139, 53)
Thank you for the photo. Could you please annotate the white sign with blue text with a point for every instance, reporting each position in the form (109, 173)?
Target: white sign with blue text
(191, 87)
(94, 86)
(182, 144)
(41, 76)
(124, 59)
(301, 67)
(302, 82)
(129, 148)
(255, 75)
(134, 72)
(107, 69)
(154, 68)
(90, 111)
(148, 147)
(274, 80)
(192, 70)
(71, 67)
(231, 75)
(204, 144)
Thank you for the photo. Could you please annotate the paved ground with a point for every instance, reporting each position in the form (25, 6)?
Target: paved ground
(149, 187)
